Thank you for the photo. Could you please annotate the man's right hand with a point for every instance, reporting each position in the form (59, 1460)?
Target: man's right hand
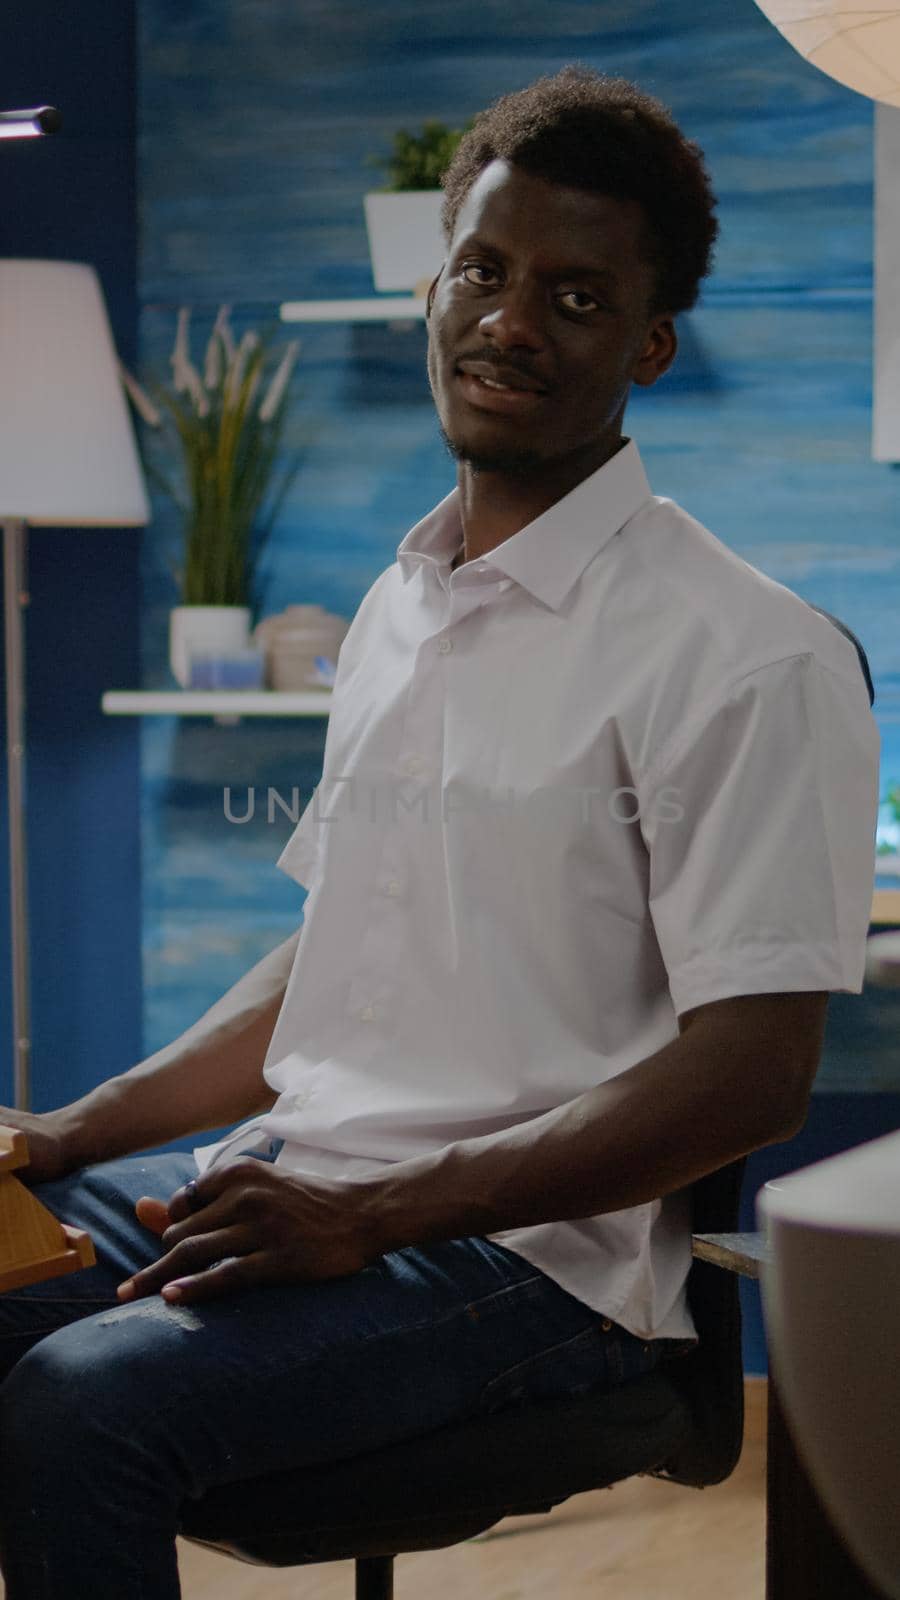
(48, 1148)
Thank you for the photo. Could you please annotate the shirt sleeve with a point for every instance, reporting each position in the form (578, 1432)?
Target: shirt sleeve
(760, 819)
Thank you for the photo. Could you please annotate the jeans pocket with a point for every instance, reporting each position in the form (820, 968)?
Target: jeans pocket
(600, 1356)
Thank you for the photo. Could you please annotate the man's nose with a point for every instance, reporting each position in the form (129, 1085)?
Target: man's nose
(518, 315)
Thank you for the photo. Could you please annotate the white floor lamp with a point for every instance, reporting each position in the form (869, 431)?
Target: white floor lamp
(67, 459)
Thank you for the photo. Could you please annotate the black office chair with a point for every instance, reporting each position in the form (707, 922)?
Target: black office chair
(683, 1422)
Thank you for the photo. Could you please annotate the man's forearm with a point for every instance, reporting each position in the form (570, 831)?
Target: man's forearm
(653, 1129)
(210, 1076)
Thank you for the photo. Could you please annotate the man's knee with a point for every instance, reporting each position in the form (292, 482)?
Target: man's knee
(41, 1399)
(70, 1386)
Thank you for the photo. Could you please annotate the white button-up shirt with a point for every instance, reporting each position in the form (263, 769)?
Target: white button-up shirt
(601, 775)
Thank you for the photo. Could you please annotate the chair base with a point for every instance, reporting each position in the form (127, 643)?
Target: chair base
(375, 1578)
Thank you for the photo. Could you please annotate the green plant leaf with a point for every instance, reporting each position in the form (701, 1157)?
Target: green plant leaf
(419, 161)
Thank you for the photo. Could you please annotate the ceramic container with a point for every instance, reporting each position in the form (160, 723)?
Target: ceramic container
(831, 1303)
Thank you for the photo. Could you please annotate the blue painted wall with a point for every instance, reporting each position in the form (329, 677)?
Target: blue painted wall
(72, 197)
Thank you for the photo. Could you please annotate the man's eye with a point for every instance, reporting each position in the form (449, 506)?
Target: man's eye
(479, 274)
(581, 294)
(474, 266)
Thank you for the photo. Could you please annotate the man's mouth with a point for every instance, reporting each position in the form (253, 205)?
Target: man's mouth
(497, 376)
(490, 394)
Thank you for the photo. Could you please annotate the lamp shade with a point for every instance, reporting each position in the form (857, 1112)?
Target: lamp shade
(67, 448)
(857, 42)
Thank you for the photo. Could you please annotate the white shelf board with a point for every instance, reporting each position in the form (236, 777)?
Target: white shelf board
(216, 703)
(383, 308)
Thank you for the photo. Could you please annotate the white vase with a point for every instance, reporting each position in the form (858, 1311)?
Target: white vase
(406, 242)
(205, 630)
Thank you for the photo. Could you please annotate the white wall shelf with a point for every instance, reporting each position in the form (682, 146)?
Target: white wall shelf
(383, 308)
(231, 703)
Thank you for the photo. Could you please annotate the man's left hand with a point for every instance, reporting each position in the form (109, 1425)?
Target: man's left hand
(250, 1223)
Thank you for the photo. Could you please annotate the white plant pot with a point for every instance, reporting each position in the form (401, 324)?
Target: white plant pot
(831, 1302)
(205, 630)
(406, 242)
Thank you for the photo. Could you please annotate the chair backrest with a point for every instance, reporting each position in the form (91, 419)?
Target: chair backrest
(849, 634)
(710, 1378)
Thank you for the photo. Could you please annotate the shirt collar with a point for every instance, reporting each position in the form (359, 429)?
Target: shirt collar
(548, 555)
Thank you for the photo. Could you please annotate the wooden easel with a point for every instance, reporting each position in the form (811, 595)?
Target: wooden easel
(33, 1244)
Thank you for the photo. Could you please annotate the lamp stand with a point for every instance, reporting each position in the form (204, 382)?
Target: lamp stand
(15, 598)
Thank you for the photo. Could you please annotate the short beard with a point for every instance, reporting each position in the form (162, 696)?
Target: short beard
(511, 462)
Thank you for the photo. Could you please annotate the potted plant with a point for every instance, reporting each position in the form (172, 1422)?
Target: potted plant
(227, 443)
(403, 218)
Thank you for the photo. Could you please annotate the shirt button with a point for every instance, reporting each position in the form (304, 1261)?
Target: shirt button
(393, 887)
(445, 646)
(369, 1014)
(300, 1099)
(413, 765)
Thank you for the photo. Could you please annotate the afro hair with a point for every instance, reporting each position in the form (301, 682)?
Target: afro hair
(589, 131)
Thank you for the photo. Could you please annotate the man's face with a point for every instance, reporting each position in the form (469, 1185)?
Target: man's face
(544, 286)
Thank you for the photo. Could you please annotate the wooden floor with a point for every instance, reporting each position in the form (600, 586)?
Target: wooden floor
(640, 1540)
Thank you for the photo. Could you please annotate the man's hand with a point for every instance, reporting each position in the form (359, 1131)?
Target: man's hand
(250, 1223)
(48, 1152)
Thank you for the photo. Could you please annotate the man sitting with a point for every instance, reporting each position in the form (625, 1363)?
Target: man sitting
(592, 845)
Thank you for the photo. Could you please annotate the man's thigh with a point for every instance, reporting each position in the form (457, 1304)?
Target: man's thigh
(279, 1376)
(284, 1375)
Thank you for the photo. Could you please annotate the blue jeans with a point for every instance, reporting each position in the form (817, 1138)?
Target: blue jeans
(111, 1416)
